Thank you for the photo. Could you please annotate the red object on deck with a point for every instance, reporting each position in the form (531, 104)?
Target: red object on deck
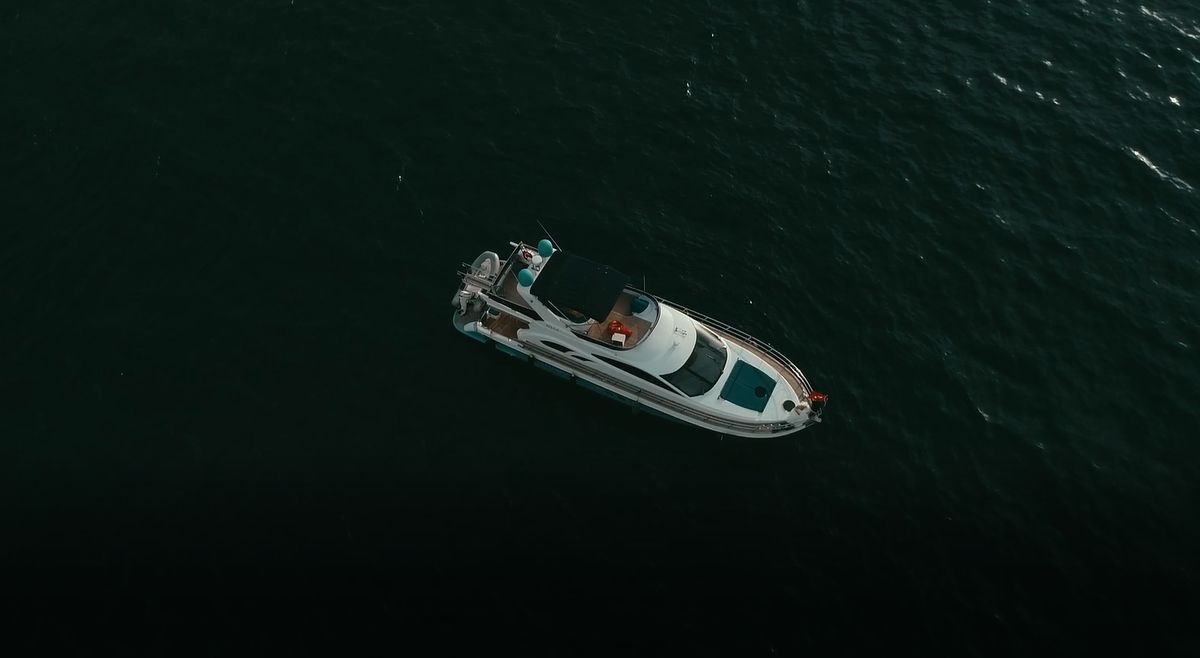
(615, 327)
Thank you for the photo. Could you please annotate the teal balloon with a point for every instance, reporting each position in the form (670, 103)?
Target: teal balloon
(525, 278)
(545, 248)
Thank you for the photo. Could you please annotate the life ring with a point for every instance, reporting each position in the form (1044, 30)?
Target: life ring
(527, 255)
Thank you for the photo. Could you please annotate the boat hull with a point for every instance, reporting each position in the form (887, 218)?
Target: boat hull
(623, 392)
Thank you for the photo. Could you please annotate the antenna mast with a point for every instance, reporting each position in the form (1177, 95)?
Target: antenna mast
(556, 244)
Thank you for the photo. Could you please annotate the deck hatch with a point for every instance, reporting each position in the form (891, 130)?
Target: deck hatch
(748, 387)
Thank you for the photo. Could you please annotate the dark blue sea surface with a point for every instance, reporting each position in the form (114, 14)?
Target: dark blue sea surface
(234, 406)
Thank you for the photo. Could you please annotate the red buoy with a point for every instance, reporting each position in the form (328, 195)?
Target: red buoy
(817, 396)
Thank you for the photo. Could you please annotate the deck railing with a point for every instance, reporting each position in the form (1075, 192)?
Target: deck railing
(488, 285)
(466, 275)
(737, 333)
(644, 394)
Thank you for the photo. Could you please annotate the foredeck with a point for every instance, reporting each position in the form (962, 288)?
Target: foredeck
(656, 396)
(789, 376)
(763, 350)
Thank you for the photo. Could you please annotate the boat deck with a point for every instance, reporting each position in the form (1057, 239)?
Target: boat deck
(506, 325)
(788, 376)
(507, 290)
(622, 313)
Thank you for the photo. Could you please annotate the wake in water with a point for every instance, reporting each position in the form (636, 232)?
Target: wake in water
(1165, 175)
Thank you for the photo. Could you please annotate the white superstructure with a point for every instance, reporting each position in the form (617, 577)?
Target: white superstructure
(582, 320)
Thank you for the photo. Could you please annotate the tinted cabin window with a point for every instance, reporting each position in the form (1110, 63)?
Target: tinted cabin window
(703, 367)
(555, 346)
(634, 371)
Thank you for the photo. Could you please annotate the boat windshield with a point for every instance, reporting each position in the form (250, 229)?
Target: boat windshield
(703, 367)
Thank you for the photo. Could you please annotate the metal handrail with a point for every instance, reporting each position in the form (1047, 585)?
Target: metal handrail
(716, 324)
(479, 281)
(639, 393)
(766, 428)
(737, 333)
(778, 356)
(466, 273)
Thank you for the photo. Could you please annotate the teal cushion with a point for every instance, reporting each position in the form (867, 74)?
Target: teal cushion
(639, 304)
(748, 387)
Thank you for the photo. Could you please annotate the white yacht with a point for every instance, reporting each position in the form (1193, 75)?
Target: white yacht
(583, 321)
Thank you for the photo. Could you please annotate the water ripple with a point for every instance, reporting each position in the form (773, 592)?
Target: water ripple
(1170, 178)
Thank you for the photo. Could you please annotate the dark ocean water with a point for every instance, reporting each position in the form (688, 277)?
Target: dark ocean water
(233, 405)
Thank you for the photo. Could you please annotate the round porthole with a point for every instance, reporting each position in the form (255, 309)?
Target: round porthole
(788, 405)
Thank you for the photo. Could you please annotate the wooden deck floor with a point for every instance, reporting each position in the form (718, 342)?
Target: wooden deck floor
(506, 325)
(623, 314)
(507, 290)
